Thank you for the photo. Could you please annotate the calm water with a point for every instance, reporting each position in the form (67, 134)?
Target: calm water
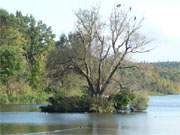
(161, 118)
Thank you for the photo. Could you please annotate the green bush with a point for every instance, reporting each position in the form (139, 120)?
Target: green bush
(122, 100)
(130, 100)
(140, 101)
(61, 103)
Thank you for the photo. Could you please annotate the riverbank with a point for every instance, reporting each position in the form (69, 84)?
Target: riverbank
(31, 98)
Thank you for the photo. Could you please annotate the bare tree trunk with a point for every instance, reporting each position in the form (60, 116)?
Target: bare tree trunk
(104, 46)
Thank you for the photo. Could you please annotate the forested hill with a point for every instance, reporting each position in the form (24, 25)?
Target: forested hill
(163, 77)
(169, 70)
(175, 65)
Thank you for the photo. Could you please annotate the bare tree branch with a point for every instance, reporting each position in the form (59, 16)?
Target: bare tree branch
(102, 47)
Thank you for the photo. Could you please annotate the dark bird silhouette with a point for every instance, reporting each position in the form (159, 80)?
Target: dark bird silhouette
(119, 5)
(130, 8)
(135, 18)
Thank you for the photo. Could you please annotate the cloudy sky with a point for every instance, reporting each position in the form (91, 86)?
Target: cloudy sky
(162, 20)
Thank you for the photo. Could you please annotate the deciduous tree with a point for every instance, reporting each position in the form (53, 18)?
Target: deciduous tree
(97, 48)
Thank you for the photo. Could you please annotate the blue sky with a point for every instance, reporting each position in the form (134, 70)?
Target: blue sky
(162, 20)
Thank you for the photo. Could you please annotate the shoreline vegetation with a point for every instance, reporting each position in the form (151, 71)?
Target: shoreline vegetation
(122, 102)
(84, 71)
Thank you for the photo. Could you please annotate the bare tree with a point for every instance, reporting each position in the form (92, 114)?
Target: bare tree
(101, 47)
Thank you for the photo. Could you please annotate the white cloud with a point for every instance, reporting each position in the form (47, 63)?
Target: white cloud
(164, 16)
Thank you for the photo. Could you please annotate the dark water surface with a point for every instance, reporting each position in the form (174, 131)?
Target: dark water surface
(161, 118)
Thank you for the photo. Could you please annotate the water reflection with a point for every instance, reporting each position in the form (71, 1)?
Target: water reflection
(87, 123)
(161, 118)
(22, 128)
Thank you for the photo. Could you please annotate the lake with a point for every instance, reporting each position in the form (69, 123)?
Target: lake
(161, 118)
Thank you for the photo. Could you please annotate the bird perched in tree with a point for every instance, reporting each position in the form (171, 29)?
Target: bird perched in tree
(130, 8)
(135, 18)
(119, 5)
